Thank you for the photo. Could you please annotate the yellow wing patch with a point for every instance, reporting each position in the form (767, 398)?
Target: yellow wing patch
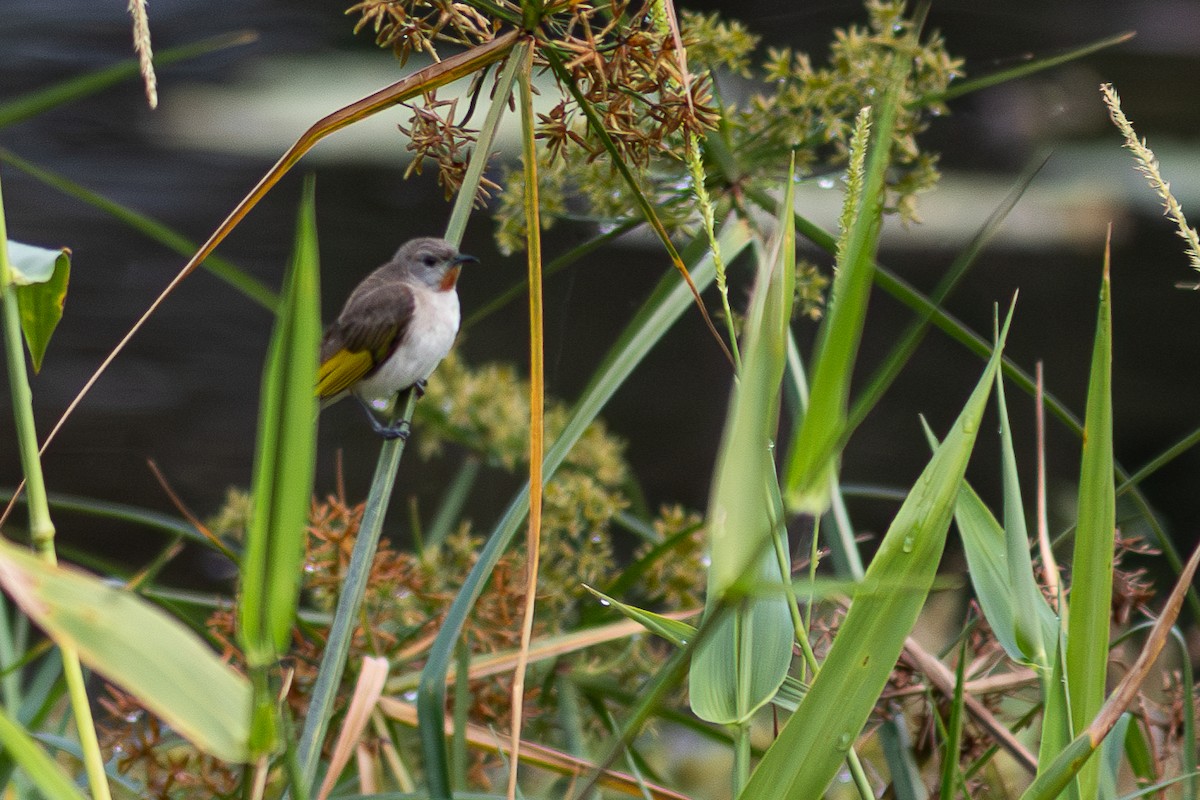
(341, 371)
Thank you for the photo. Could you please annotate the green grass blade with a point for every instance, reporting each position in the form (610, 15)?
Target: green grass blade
(1000, 566)
(742, 664)
(812, 457)
(666, 304)
(134, 644)
(806, 755)
(149, 227)
(285, 458)
(42, 770)
(34, 103)
(897, 748)
(952, 776)
(1027, 68)
(1092, 564)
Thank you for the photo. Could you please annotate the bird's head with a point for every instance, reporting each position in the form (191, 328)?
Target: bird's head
(434, 262)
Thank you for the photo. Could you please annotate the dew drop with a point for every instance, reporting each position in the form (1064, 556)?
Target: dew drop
(706, 561)
(410, 696)
(826, 182)
(843, 742)
(969, 426)
(907, 544)
(604, 602)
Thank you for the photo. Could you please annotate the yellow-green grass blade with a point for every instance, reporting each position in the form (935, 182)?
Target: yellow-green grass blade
(1092, 563)
(137, 646)
(741, 664)
(812, 457)
(285, 459)
(806, 755)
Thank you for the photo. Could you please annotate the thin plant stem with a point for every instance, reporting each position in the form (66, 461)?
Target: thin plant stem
(41, 527)
(537, 398)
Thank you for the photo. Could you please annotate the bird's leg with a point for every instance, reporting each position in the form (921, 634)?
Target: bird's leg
(419, 388)
(398, 430)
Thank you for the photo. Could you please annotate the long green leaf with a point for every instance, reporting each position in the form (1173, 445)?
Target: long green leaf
(285, 458)
(133, 643)
(743, 662)
(812, 458)
(666, 304)
(802, 761)
(1092, 565)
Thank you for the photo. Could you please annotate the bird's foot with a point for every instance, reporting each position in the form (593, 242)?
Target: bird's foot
(395, 430)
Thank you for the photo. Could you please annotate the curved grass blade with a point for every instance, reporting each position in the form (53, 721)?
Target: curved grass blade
(668, 301)
(805, 757)
(1028, 68)
(959, 332)
(151, 228)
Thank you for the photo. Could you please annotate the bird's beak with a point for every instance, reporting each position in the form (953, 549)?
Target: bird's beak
(463, 258)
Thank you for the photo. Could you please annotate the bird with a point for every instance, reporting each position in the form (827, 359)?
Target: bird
(395, 328)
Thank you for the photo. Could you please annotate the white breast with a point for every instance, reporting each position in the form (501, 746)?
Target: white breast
(430, 334)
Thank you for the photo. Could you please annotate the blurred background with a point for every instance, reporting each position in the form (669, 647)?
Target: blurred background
(185, 392)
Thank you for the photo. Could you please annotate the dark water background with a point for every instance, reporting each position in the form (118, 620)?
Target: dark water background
(185, 392)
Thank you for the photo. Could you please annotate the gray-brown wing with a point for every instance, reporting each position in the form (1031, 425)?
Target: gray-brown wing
(374, 320)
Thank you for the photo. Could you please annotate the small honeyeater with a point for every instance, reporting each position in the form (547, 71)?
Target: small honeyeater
(395, 328)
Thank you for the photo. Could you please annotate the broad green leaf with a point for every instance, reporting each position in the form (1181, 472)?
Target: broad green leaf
(41, 278)
(137, 646)
(42, 770)
(741, 664)
(1092, 564)
(805, 757)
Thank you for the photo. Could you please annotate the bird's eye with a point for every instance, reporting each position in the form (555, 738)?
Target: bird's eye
(429, 260)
